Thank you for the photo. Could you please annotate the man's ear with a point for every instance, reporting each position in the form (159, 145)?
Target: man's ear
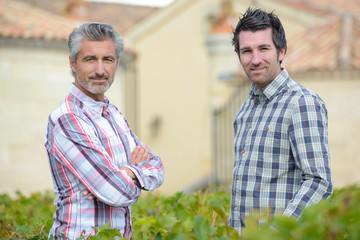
(282, 54)
(72, 64)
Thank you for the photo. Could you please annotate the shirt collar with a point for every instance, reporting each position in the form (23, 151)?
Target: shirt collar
(273, 88)
(89, 103)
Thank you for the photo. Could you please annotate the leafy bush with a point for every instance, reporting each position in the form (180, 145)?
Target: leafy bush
(26, 217)
(201, 215)
(336, 218)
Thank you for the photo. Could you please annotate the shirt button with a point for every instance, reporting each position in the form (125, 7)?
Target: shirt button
(250, 126)
(237, 178)
(244, 151)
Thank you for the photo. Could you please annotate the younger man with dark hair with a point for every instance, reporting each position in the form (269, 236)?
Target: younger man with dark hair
(282, 159)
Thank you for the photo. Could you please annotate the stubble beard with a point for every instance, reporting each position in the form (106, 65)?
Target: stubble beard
(95, 88)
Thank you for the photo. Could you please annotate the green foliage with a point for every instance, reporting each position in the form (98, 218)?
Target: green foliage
(26, 217)
(102, 233)
(201, 215)
(336, 218)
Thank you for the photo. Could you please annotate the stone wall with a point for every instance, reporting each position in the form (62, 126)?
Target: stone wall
(33, 82)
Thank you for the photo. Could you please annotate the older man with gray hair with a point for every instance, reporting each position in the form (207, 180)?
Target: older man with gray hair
(98, 165)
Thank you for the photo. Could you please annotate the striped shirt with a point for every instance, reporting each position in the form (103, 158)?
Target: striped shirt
(86, 142)
(282, 160)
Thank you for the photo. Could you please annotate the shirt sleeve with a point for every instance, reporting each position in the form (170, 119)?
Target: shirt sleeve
(80, 150)
(309, 145)
(151, 173)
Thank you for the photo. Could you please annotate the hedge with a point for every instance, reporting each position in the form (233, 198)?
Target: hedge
(200, 215)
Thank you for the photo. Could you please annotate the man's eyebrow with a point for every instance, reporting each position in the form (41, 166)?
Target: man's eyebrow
(89, 56)
(244, 48)
(265, 45)
(260, 46)
(94, 56)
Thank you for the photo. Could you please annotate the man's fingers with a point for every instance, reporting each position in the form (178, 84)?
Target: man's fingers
(135, 152)
(140, 154)
(87, 192)
(91, 197)
(128, 172)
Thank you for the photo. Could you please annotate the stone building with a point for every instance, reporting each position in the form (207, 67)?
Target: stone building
(179, 84)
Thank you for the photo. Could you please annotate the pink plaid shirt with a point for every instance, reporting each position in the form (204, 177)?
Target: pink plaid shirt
(86, 143)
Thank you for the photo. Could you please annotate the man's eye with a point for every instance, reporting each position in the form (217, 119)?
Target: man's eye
(109, 60)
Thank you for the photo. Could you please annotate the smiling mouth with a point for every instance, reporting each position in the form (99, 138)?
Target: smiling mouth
(99, 81)
(257, 70)
(98, 78)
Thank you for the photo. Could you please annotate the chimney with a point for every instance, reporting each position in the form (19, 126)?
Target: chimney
(222, 24)
(76, 10)
(346, 40)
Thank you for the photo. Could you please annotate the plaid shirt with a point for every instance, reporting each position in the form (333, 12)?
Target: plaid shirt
(86, 143)
(282, 159)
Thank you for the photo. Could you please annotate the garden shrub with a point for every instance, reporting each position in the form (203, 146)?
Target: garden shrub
(200, 215)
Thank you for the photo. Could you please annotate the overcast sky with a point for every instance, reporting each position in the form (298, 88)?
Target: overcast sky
(151, 3)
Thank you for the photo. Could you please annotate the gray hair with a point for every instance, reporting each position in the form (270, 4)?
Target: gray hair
(94, 31)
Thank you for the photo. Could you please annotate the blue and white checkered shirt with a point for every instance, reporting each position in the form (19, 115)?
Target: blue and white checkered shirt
(282, 159)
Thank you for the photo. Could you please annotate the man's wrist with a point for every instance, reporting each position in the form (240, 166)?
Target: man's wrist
(130, 173)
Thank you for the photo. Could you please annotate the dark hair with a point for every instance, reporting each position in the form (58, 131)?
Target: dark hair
(256, 19)
(94, 31)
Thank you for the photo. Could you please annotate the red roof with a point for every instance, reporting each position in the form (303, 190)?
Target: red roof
(330, 46)
(21, 20)
(49, 20)
(324, 48)
(325, 7)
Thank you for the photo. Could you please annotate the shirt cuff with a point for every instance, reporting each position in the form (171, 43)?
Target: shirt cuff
(138, 176)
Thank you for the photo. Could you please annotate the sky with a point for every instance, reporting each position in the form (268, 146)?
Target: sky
(151, 3)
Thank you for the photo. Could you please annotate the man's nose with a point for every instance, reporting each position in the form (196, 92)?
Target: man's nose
(99, 68)
(256, 58)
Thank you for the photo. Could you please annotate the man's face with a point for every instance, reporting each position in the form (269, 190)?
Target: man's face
(258, 56)
(95, 67)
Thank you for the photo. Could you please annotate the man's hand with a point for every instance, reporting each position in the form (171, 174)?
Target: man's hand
(86, 192)
(138, 155)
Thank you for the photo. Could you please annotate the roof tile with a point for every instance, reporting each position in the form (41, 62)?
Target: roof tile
(44, 19)
(331, 46)
(33, 23)
(121, 16)
(324, 47)
(330, 6)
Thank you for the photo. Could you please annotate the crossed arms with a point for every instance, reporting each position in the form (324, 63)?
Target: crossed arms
(92, 165)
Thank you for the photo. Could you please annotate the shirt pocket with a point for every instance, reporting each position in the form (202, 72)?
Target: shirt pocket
(275, 132)
(276, 148)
